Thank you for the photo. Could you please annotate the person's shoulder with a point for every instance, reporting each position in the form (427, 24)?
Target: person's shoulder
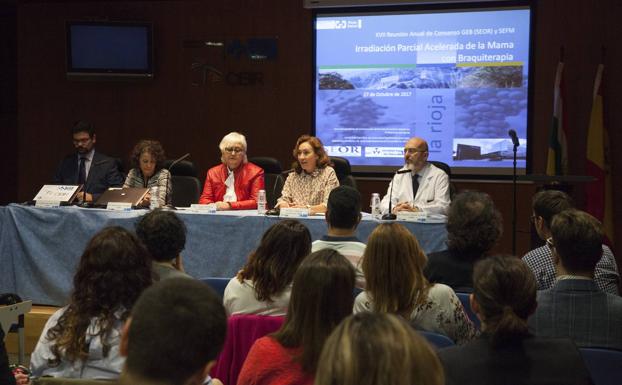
(217, 169)
(536, 254)
(253, 168)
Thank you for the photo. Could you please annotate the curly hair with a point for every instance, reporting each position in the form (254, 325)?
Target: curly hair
(473, 224)
(318, 148)
(113, 271)
(152, 147)
(272, 266)
(163, 233)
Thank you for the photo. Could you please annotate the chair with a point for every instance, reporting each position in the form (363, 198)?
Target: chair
(272, 176)
(186, 190)
(242, 332)
(438, 341)
(604, 365)
(445, 167)
(466, 304)
(343, 171)
(183, 168)
(12, 310)
(218, 284)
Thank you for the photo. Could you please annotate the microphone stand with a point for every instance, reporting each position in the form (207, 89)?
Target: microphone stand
(390, 216)
(168, 205)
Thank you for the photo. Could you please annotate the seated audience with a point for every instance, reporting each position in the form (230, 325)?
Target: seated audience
(173, 335)
(321, 298)
(263, 286)
(473, 227)
(147, 159)
(164, 235)
(504, 296)
(234, 184)
(343, 215)
(377, 348)
(81, 340)
(575, 307)
(312, 179)
(545, 205)
(394, 283)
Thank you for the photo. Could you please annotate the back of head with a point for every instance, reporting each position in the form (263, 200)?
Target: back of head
(548, 203)
(177, 327)
(473, 224)
(163, 233)
(272, 265)
(83, 126)
(373, 348)
(393, 266)
(321, 297)
(505, 290)
(344, 207)
(577, 238)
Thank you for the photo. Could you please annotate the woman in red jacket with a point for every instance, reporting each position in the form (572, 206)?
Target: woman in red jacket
(234, 184)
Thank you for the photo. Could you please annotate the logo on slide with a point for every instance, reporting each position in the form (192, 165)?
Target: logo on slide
(349, 151)
(384, 152)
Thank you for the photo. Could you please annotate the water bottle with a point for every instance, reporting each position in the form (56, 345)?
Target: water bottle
(153, 202)
(261, 202)
(375, 206)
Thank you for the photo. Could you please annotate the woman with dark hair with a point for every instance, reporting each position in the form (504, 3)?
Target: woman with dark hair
(263, 286)
(147, 160)
(473, 227)
(504, 296)
(312, 179)
(81, 340)
(377, 348)
(321, 298)
(394, 283)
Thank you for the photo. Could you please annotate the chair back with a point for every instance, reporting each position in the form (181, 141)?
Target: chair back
(183, 168)
(604, 365)
(438, 341)
(186, 190)
(445, 167)
(269, 165)
(466, 304)
(242, 332)
(273, 178)
(216, 283)
(343, 171)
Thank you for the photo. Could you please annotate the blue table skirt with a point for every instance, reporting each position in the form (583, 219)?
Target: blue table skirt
(40, 247)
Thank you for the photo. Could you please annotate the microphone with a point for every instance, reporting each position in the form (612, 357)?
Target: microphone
(512, 134)
(169, 168)
(390, 216)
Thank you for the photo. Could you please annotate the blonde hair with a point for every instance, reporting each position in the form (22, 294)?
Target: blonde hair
(373, 348)
(393, 267)
(233, 138)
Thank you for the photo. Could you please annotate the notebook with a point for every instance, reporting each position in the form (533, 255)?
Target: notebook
(123, 195)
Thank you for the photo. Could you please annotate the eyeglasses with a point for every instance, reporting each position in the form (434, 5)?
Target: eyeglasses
(549, 243)
(413, 150)
(233, 150)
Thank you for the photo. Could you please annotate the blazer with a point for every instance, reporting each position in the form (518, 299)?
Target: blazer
(248, 182)
(576, 308)
(528, 361)
(103, 174)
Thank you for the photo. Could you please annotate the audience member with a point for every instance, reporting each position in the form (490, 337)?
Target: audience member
(164, 235)
(81, 340)
(425, 188)
(473, 225)
(376, 348)
(343, 215)
(312, 179)
(321, 298)
(504, 296)
(94, 170)
(174, 334)
(263, 286)
(575, 307)
(545, 205)
(148, 158)
(394, 283)
(234, 184)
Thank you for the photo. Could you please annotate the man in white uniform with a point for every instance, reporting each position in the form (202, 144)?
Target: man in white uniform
(425, 188)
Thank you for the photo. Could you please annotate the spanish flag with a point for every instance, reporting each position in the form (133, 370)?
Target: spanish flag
(598, 193)
(557, 159)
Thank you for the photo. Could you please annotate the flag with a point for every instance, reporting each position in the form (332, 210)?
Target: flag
(557, 158)
(598, 192)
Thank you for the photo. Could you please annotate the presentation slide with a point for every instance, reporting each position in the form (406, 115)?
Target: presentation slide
(458, 79)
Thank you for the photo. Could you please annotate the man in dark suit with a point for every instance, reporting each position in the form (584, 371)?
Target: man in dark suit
(96, 171)
(574, 307)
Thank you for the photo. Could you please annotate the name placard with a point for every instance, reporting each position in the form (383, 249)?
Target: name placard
(119, 206)
(56, 193)
(412, 216)
(46, 203)
(294, 212)
(203, 209)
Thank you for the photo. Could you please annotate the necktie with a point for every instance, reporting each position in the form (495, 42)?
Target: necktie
(415, 185)
(82, 170)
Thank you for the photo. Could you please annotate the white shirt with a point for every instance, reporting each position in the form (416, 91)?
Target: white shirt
(239, 298)
(432, 195)
(230, 193)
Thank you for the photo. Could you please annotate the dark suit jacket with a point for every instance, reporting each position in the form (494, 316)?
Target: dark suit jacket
(451, 269)
(529, 361)
(104, 173)
(576, 308)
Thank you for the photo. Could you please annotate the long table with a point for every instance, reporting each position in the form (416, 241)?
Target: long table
(40, 247)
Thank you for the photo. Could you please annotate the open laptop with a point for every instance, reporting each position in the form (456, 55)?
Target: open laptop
(122, 195)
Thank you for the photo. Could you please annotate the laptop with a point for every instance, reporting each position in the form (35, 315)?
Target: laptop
(122, 195)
